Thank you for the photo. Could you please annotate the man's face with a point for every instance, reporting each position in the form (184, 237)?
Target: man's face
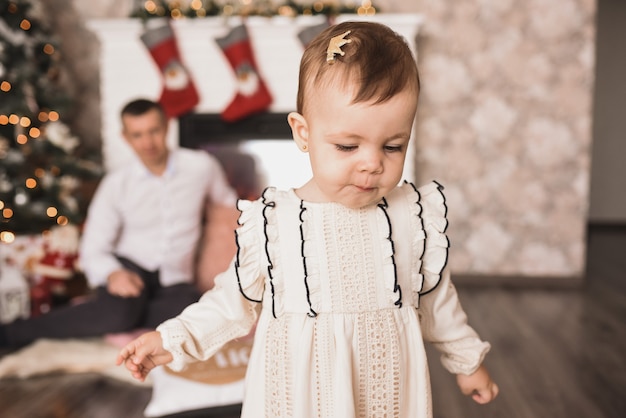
(146, 134)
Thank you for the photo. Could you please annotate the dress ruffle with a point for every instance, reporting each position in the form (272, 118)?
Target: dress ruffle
(430, 242)
(310, 260)
(271, 235)
(248, 261)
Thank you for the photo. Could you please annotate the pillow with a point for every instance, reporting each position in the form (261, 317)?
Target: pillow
(216, 382)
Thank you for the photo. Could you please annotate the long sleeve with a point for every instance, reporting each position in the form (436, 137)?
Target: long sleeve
(222, 314)
(443, 321)
(100, 234)
(444, 324)
(229, 309)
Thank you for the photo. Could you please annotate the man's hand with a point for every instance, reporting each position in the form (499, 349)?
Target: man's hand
(125, 284)
(144, 354)
(479, 385)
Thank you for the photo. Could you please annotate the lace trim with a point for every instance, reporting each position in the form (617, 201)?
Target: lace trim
(278, 371)
(379, 385)
(396, 286)
(186, 349)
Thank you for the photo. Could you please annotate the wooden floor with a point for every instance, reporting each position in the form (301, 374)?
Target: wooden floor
(557, 353)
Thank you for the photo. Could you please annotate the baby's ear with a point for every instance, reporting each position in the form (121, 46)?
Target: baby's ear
(299, 130)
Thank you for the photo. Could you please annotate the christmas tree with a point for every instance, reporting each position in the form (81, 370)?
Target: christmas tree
(41, 172)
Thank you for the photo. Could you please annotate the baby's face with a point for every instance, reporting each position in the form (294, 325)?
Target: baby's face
(357, 151)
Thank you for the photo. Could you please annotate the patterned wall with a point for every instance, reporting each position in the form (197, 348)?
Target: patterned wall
(505, 124)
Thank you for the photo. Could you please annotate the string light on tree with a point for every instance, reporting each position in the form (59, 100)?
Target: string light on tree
(7, 237)
(37, 150)
(21, 198)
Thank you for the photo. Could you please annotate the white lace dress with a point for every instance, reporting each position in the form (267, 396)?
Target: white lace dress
(348, 298)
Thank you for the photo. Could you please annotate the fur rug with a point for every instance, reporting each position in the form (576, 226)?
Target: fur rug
(216, 382)
(95, 355)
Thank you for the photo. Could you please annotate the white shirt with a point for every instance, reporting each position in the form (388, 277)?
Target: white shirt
(155, 221)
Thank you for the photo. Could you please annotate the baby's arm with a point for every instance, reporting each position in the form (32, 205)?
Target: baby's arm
(479, 385)
(144, 354)
(444, 324)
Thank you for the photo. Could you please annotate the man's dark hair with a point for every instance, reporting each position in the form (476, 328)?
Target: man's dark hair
(139, 107)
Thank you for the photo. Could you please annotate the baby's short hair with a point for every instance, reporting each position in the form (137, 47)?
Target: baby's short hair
(377, 63)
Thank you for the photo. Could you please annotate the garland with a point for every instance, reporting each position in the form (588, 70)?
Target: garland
(177, 9)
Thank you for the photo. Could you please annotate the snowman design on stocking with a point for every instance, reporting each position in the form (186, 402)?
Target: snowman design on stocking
(252, 93)
(179, 93)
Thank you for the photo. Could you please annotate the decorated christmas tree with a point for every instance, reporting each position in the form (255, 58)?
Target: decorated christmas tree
(41, 169)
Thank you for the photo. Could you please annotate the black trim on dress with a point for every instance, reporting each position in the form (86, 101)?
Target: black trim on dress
(237, 265)
(311, 313)
(270, 265)
(396, 287)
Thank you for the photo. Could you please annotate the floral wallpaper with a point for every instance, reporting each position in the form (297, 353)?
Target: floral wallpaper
(504, 123)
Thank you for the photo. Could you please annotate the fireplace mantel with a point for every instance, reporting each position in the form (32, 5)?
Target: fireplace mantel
(127, 70)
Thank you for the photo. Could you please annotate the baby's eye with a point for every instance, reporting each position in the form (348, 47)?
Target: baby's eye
(345, 148)
(393, 148)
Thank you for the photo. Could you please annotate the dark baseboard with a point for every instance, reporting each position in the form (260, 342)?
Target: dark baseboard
(605, 226)
(518, 282)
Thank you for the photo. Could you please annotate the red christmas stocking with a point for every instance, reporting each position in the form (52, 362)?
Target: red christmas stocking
(179, 93)
(252, 93)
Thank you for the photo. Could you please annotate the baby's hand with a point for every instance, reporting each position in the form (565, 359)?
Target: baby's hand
(144, 354)
(479, 385)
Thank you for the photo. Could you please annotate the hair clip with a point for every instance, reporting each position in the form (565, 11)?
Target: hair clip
(334, 47)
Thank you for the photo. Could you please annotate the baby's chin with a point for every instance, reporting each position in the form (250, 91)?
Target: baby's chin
(362, 202)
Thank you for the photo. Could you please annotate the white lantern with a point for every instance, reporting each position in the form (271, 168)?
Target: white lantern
(14, 293)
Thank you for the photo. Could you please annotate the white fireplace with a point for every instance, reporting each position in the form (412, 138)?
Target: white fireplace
(127, 71)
